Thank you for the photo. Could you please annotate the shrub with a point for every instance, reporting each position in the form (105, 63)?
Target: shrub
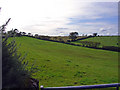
(90, 44)
(15, 74)
(112, 48)
(14, 68)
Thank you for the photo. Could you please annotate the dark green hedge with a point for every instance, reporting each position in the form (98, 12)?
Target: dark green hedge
(90, 44)
(111, 48)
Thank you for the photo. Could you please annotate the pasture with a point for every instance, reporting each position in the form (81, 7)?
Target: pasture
(66, 65)
(104, 40)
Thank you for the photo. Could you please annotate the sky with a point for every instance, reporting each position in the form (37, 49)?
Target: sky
(60, 17)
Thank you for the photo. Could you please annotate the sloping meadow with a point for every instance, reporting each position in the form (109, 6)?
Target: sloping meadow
(103, 40)
(66, 65)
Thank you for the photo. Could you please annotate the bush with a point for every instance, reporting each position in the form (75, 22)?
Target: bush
(14, 70)
(111, 48)
(15, 74)
(90, 44)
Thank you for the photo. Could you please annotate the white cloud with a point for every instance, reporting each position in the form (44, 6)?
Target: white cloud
(102, 30)
(45, 16)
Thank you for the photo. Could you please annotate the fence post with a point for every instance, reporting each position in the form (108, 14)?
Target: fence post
(41, 87)
(117, 88)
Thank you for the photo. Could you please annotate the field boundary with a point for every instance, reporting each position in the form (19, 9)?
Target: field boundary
(117, 49)
(108, 48)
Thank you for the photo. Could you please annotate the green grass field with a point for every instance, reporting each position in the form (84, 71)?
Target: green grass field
(66, 65)
(104, 40)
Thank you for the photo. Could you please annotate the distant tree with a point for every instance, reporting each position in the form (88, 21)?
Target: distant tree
(94, 34)
(16, 31)
(23, 33)
(13, 32)
(29, 34)
(36, 35)
(73, 35)
(19, 34)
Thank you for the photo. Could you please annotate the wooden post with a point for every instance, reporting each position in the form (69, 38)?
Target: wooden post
(42, 88)
(117, 88)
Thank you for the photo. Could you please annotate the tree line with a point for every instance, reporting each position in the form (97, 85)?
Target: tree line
(73, 36)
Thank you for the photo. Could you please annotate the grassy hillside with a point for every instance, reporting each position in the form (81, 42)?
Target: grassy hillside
(104, 40)
(66, 65)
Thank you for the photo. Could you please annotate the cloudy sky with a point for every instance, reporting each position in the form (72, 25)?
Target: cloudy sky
(60, 17)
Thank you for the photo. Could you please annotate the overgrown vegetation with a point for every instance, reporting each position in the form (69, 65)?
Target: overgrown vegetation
(90, 44)
(15, 73)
